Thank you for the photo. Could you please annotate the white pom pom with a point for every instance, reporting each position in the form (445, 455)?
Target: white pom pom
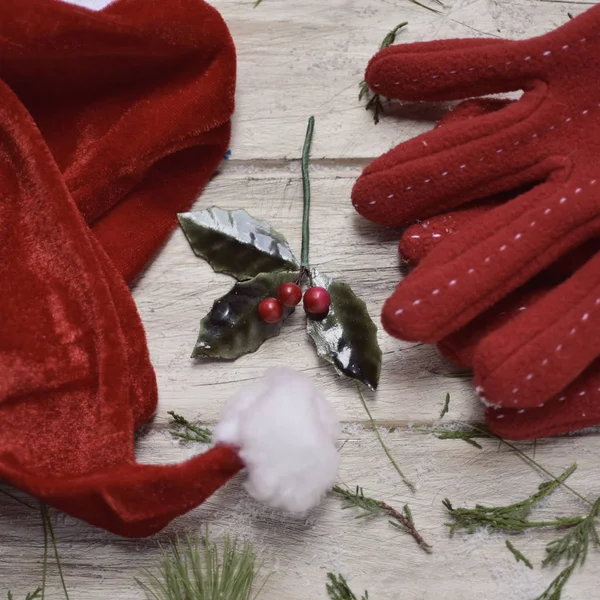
(286, 432)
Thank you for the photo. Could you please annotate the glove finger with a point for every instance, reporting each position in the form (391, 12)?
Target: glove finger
(578, 406)
(529, 360)
(456, 69)
(454, 164)
(478, 266)
(461, 346)
(420, 239)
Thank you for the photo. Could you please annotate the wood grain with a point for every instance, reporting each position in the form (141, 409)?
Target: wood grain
(296, 59)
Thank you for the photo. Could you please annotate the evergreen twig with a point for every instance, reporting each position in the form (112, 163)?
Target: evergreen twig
(371, 507)
(410, 485)
(573, 547)
(374, 103)
(186, 572)
(519, 557)
(338, 589)
(510, 518)
(446, 407)
(190, 432)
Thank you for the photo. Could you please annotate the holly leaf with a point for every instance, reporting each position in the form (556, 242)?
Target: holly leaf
(347, 336)
(235, 243)
(232, 327)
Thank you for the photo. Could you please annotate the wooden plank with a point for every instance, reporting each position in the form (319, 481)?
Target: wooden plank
(370, 553)
(178, 289)
(307, 58)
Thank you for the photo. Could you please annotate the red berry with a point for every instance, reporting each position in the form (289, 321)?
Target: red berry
(270, 310)
(317, 301)
(289, 294)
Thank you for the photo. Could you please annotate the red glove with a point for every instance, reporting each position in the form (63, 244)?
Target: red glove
(514, 241)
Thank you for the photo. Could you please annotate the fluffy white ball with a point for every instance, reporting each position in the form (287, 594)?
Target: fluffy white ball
(286, 432)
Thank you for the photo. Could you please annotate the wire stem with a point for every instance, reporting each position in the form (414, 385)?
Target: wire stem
(306, 192)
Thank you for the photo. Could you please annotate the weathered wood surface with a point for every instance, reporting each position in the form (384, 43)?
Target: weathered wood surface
(297, 59)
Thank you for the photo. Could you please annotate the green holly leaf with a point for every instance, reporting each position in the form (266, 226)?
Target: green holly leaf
(232, 327)
(235, 243)
(347, 336)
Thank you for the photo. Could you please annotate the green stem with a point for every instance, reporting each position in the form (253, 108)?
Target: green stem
(56, 554)
(530, 460)
(383, 444)
(306, 191)
(45, 565)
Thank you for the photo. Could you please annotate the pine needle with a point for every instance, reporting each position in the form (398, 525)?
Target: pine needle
(189, 570)
(338, 589)
(446, 407)
(387, 451)
(16, 499)
(46, 517)
(374, 103)
(188, 432)
(519, 557)
(510, 518)
(370, 507)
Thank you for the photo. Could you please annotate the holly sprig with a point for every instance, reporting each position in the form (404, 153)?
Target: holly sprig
(260, 258)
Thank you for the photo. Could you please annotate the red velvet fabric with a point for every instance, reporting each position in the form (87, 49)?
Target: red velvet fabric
(110, 123)
(546, 355)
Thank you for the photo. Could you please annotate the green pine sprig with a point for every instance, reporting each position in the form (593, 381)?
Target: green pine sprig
(338, 589)
(374, 103)
(572, 547)
(197, 570)
(188, 432)
(519, 556)
(370, 507)
(511, 518)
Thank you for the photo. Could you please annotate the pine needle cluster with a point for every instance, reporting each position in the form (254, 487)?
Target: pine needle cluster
(193, 569)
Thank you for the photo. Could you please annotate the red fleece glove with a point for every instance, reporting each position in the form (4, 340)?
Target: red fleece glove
(551, 134)
(117, 118)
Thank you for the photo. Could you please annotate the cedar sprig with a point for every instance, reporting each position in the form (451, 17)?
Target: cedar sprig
(30, 596)
(370, 507)
(188, 432)
(197, 570)
(519, 556)
(374, 103)
(572, 547)
(513, 517)
(338, 589)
